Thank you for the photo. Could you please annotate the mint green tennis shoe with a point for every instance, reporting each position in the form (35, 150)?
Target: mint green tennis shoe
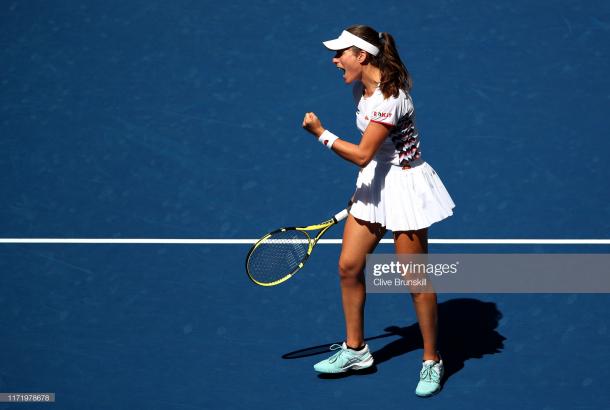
(430, 378)
(345, 360)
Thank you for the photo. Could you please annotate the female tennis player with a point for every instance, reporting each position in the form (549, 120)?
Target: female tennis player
(395, 190)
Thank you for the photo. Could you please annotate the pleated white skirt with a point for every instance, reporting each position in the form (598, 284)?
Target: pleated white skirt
(400, 199)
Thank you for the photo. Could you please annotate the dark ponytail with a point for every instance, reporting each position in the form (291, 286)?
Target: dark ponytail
(394, 74)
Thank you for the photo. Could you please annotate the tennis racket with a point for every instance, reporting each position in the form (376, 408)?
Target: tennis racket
(277, 256)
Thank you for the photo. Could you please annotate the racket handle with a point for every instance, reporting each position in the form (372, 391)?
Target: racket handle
(341, 215)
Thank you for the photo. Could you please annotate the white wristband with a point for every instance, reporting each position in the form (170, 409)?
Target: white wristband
(327, 139)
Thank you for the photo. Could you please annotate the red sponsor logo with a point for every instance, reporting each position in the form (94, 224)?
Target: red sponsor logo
(382, 114)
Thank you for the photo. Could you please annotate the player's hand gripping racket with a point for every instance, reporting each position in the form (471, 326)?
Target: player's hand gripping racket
(277, 256)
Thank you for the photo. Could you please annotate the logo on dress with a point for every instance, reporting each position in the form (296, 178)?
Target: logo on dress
(382, 114)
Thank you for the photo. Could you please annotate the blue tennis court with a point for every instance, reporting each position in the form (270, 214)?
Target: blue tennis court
(183, 121)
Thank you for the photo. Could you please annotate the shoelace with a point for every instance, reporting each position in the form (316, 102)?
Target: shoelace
(429, 373)
(334, 357)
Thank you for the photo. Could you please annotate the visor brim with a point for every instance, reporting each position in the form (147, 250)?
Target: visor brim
(336, 44)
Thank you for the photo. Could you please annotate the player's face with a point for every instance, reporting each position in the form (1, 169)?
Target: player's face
(348, 62)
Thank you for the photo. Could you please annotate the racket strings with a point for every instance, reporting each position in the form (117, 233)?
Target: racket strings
(278, 256)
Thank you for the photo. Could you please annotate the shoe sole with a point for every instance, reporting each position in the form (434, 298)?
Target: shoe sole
(355, 366)
(423, 396)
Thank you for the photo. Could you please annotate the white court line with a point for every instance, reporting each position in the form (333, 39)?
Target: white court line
(145, 241)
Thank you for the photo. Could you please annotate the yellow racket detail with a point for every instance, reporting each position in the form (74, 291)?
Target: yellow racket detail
(278, 255)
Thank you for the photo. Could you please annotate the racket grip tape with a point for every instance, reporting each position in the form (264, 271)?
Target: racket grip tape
(341, 215)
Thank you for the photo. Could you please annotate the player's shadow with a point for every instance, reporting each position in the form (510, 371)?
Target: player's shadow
(467, 330)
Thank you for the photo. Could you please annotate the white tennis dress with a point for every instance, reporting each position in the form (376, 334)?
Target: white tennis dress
(399, 199)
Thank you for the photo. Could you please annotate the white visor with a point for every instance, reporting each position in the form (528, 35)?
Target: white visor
(347, 39)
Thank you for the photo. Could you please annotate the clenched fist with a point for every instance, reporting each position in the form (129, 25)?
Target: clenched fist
(312, 124)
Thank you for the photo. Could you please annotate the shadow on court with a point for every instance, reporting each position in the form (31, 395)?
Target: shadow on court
(467, 330)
